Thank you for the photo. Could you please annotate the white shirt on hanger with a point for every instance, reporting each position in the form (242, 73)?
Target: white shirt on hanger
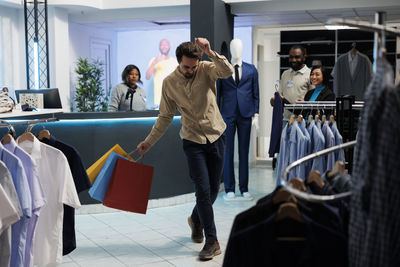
(59, 188)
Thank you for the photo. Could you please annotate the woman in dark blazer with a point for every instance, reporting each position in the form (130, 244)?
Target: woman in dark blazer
(319, 77)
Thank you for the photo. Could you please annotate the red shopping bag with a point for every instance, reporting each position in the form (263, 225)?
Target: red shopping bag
(129, 188)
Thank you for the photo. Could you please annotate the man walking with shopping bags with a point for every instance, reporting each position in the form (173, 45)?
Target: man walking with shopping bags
(191, 89)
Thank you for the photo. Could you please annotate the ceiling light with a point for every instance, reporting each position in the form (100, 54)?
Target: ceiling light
(338, 27)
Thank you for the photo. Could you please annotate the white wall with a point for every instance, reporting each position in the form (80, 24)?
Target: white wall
(268, 65)
(12, 49)
(58, 41)
(80, 38)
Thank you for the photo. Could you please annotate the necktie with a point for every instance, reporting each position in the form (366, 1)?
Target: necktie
(237, 74)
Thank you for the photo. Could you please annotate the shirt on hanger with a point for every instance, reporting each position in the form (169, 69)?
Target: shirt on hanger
(317, 144)
(59, 188)
(36, 192)
(329, 142)
(5, 237)
(82, 183)
(19, 229)
(8, 213)
(339, 155)
(307, 165)
(276, 129)
(375, 204)
(258, 246)
(298, 149)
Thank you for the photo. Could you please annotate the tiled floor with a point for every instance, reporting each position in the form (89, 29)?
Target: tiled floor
(159, 238)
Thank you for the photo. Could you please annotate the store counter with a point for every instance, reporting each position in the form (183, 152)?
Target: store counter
(93, 134)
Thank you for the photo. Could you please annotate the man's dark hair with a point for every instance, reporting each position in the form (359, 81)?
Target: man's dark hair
(126, 72)
(325, 74)
(188, 49)
(303, 50)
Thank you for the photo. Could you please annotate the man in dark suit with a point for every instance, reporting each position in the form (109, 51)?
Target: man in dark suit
(238, 100)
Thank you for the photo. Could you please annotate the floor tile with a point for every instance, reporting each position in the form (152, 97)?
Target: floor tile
(159, 238)
(103, 262)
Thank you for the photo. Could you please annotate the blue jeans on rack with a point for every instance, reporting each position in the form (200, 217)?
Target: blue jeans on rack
(206, 164)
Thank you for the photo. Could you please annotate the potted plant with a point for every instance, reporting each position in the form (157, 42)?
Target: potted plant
(89, 94)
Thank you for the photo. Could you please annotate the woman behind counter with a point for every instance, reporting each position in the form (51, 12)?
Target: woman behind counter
(127, 96)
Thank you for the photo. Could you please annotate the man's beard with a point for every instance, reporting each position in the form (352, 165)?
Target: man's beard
(188, 76)
(296, 65)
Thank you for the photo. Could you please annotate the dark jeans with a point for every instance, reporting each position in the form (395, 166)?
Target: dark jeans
(206, 163)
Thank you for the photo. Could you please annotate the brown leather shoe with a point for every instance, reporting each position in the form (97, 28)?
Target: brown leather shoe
(210, 250)
(197, 231)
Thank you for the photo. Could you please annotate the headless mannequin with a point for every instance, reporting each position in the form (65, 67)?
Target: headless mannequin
(236, 48)
(239, 105)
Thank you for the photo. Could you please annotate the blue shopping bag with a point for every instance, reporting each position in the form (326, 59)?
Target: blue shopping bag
(100, 185)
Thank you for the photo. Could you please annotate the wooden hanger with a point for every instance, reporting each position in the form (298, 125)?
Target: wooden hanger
(289, 210)
(310, 118)
(339, 168)
(316, 118)
(300, 118)
(26, 136)
(298, 184)
(44, 134)
(315, 176)
(292, 119)
(324, 118)
(6, 139)
(282, 195)
(332, 119)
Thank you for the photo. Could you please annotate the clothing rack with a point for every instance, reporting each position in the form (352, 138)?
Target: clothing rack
(363, 25)
(379, 49)
(30, 123)
(312, 197)
(357, 105)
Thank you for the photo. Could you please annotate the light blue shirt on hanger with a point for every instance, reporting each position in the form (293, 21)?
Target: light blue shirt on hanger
(317, 144)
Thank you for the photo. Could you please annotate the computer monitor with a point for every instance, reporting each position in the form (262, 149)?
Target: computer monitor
(51, 97)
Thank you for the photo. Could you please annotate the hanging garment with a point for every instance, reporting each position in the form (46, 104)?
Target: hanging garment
(258, 246)
(306, 168)
(19, 229)
(59, 188)
(8, 213)
(339, 154)
(329, 142)
(346, 84)
(276, 129)
(7, 183)
(317, 144)
(81, 181)
(36, 193)
(375, 205)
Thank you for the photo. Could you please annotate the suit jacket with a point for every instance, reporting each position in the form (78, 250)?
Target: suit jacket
(245, 95)
(344, 83)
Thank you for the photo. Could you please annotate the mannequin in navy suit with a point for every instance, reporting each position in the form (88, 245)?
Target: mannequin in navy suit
(238, 100)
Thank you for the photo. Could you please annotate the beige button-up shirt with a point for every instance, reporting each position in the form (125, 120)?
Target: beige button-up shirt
(195, 98)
